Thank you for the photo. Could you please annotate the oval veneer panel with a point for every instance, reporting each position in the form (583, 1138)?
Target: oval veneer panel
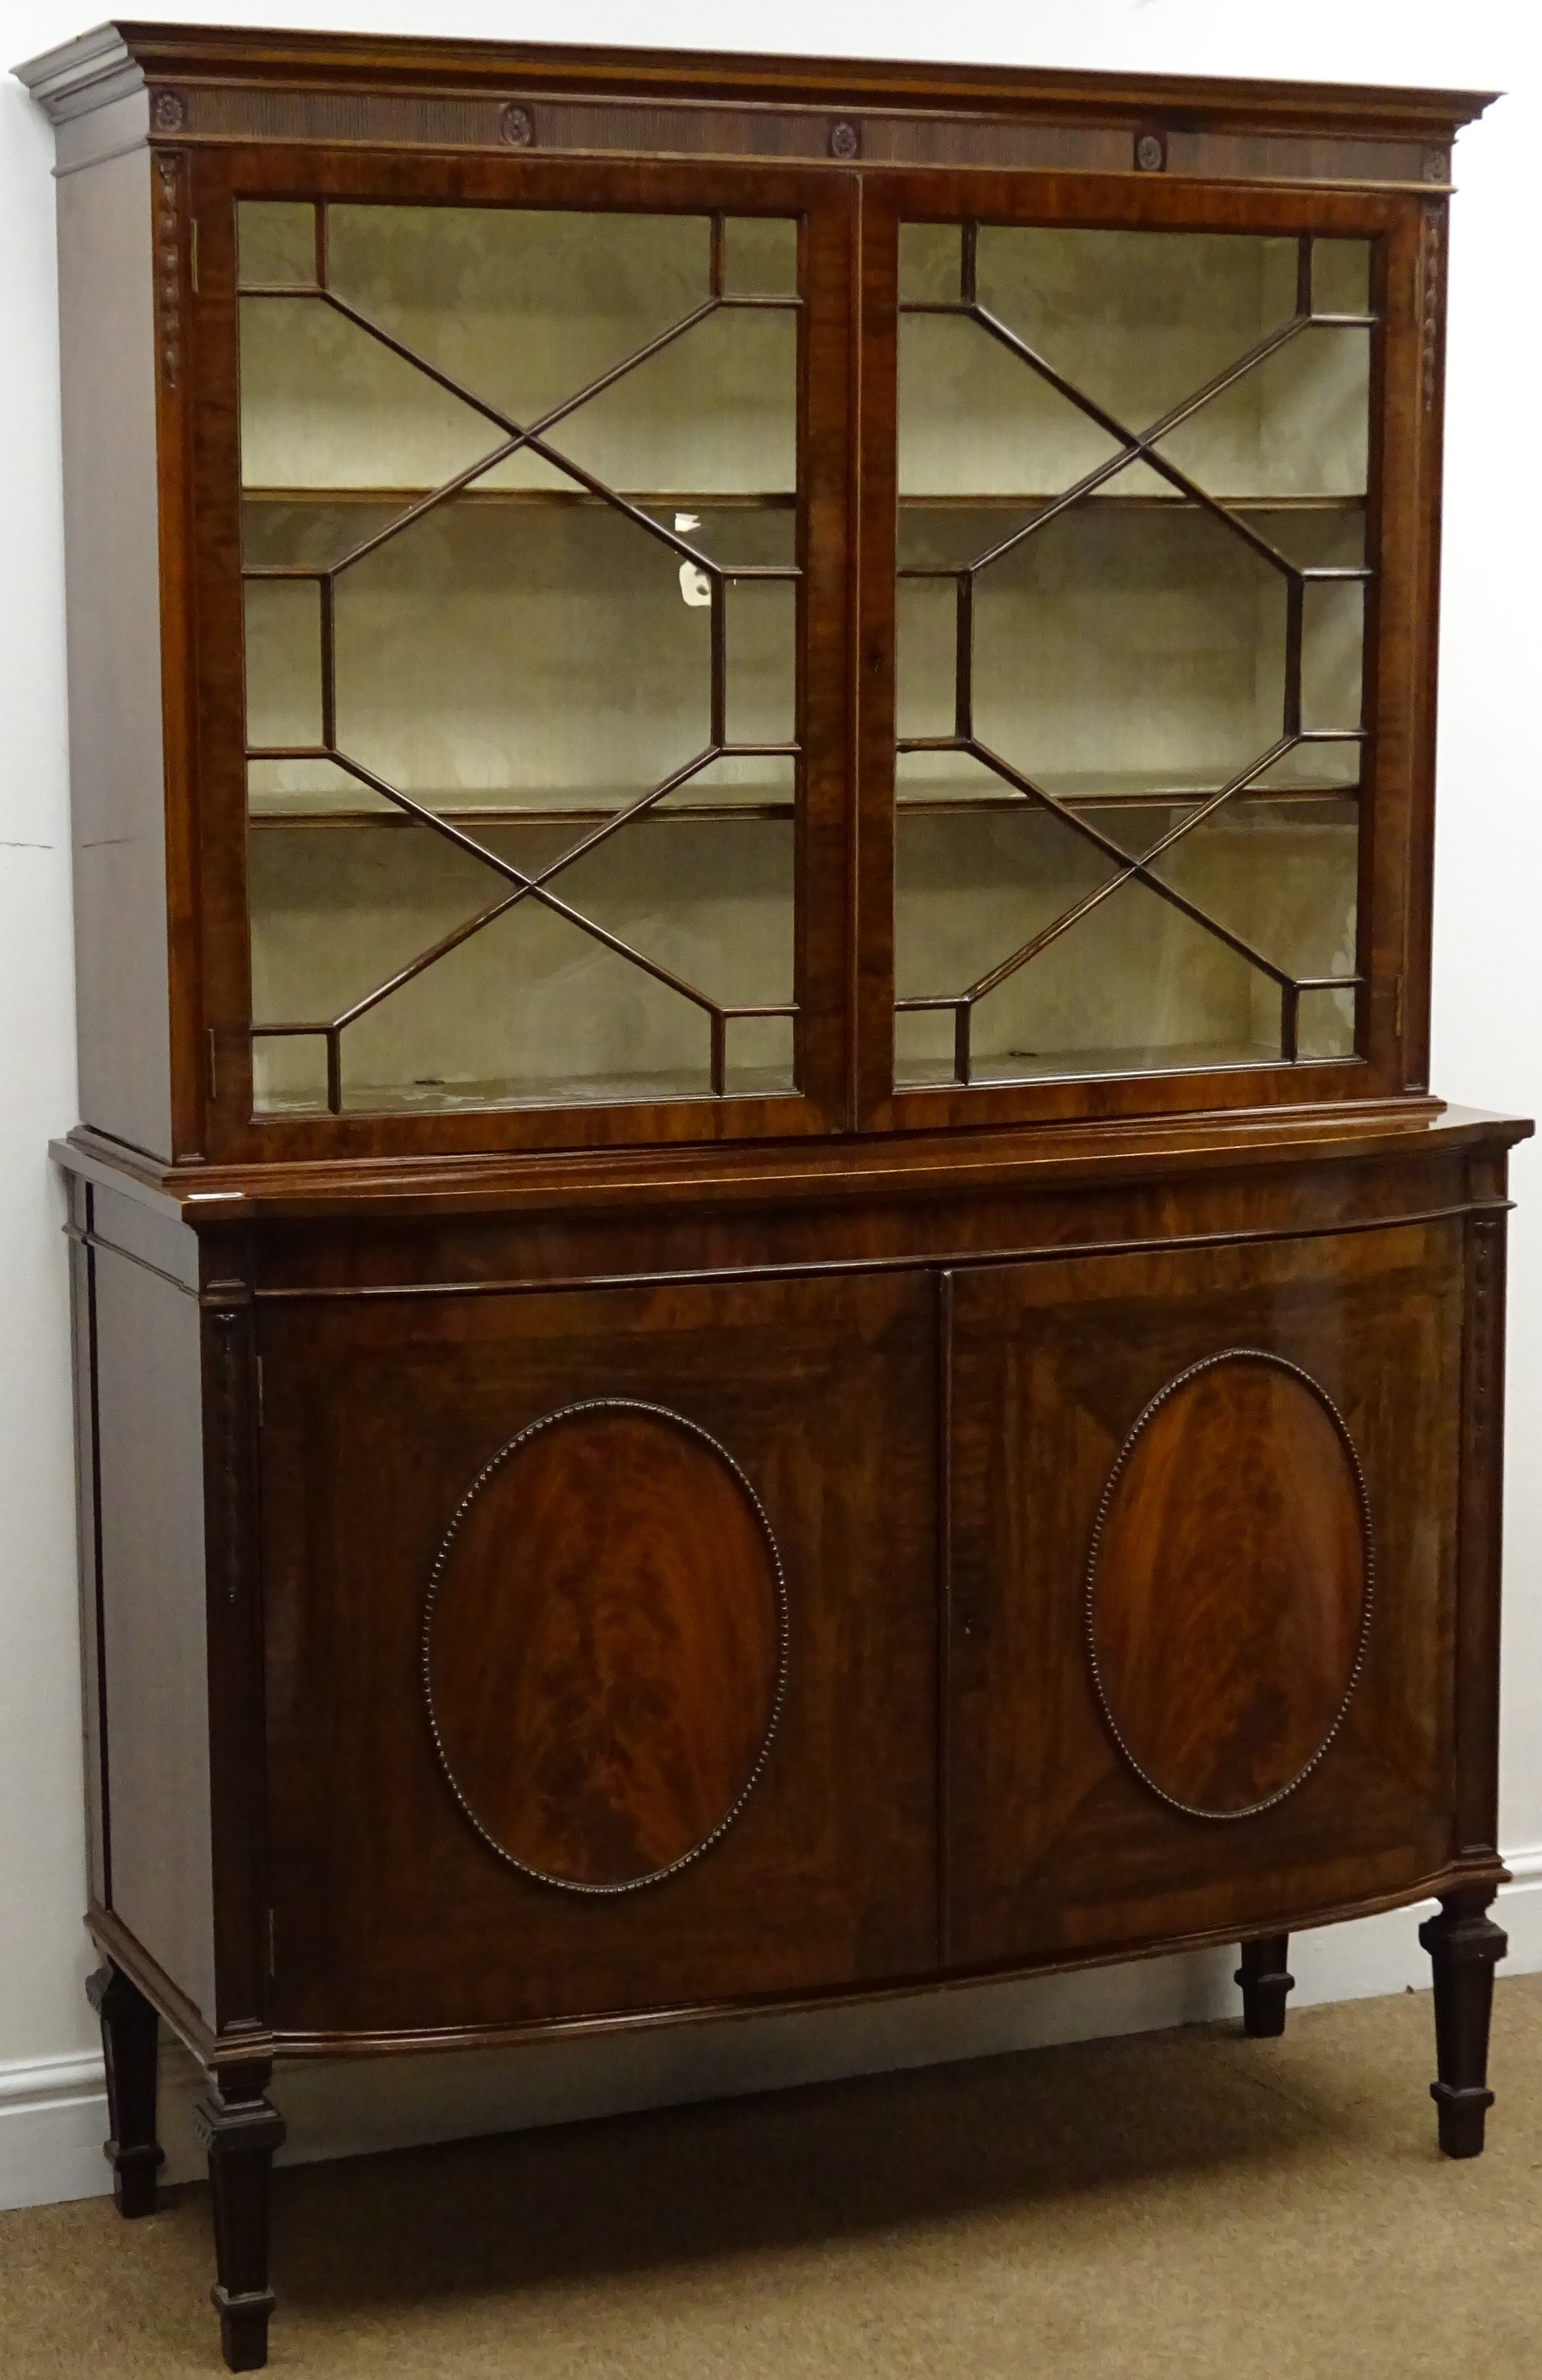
(1229, 1586)
(605, 1646)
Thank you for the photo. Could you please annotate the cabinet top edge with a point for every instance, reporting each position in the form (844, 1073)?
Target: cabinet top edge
(122, 56)
(771, 1174)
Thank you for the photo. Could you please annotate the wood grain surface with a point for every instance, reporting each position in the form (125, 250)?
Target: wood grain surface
(390, 1910)
(606, 1646)
(1056, 1846)
(1230, 1584)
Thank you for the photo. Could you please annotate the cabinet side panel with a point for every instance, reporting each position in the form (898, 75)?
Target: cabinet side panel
(112, 563)
(153, 1629)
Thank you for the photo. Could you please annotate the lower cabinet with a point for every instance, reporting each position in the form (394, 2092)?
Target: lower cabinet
(602, 1648)
(469, 1662)
(1202, 1541)
(640, 1646)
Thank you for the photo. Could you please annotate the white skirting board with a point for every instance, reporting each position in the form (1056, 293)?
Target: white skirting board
(54, 2111)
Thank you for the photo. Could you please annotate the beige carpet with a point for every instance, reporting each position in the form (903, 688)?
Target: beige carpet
(1184, 2203)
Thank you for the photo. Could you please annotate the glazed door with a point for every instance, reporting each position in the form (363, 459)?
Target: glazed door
(602, 1648)
(1142, 552)
(1203, 1537)
(525, 504)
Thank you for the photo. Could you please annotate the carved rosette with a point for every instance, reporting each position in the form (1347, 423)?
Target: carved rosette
(605, 1646)
(1229, 1585)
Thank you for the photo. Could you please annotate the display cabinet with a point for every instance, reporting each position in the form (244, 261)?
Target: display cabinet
(768, 1304)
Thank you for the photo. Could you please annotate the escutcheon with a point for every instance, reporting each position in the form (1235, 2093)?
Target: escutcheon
(1229, 1585)
(605, 1646)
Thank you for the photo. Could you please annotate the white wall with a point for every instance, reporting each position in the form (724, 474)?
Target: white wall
(1488, 1044)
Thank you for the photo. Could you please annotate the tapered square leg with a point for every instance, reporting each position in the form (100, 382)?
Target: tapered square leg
(1464, 1947)
(240, 2130)
(1265, 1985)
(130, 2042)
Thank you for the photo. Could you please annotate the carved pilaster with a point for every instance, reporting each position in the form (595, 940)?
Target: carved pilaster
(232, 1357)
(237, 1728)
(168, 175)
(1477, 1640)
(1432, 243)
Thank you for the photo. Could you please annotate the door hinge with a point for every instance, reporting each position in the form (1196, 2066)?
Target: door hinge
(192, 256)
(1396, 1008)
(259, 1414)
(272, 1954)
(214, 1066)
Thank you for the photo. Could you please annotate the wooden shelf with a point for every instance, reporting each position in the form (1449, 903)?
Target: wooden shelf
(1137, 795)
(786, 500)
(402, 1098)
(1105, 794)
(510, 816)
(1034, 1065)
(728, 500)
(1148, 500)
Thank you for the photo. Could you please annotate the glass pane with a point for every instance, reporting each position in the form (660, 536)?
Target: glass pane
(534, 998)
(283, 657)
(520, 529)
(542, 654)
(1093, 973)
(276, 244)
(1278, 873)
(326, 405)
(760, 256)
(1131, 621)
(973, 421)
(1325, 1024)
(293, 791)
